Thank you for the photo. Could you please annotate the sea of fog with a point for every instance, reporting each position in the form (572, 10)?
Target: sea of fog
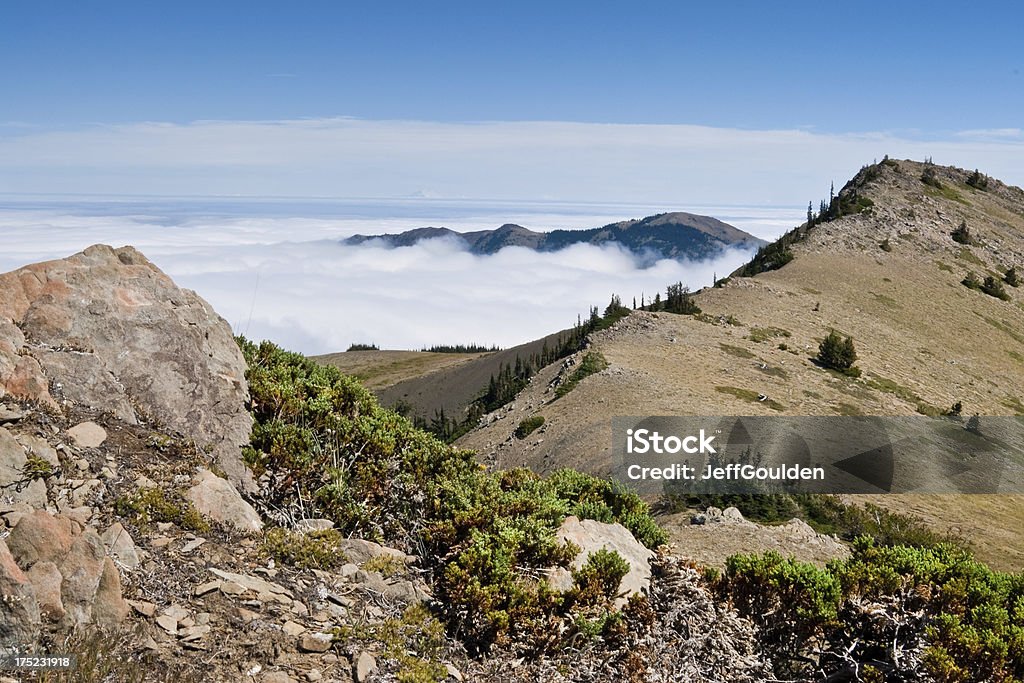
(275, 268)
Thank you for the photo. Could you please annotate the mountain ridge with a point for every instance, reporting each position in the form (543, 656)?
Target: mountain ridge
(675, 235)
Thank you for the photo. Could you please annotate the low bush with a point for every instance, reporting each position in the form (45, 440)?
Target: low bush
(528, 426)
(964, 621)
(152, 505)
(592, 363)
(305, 550)
(321, 436)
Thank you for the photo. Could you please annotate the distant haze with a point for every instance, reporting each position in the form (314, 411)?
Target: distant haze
(277, 270)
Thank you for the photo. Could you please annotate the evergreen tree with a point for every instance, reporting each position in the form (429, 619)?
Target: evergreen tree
(1012, 278)
(837, 353)
(994, 287)
(971, 281)
(962, 235)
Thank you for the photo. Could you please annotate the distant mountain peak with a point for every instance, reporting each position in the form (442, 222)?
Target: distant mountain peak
(674, 235)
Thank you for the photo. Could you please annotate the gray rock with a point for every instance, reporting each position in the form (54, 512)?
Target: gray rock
(19, 618)
(46, 580)
(39, 447)
(253, 583)
(590, 536)
(9, 415)
(313, 524)
(359, 551)
(220, 501)
(12, 473)
(315, 642)
(87, 435)
(365, 664)
(39, 536)
(120, 546)
(82, 570)
(115, 333)
(109, 608)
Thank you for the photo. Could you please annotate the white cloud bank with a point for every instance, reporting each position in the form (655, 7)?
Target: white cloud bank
(341, 157)
(313, 294)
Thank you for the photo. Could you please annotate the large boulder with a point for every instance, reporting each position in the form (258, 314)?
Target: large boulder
(217, 499)
(106, 328)
(590, 536)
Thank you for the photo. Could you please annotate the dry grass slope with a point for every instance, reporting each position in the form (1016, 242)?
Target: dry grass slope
(924, 340)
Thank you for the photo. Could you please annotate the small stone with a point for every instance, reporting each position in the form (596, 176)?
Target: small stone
(10, 414)
(146, 609)
(453, 672)
(232, 588)
(192, 545)
(313, 524)
(366, 664)
(315, 642)
(314, 675)
(203, 618)
(292, 628)
(276, 677)
(191, 633)
(81, 514)
(160, 542)
(120, 545)
(82, 465)
(176, 612)
(88, 435)
(247, 615)
(169, 624)
(207, 587)
(144, 482)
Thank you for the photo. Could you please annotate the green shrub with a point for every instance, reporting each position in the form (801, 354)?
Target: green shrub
(599, 578)
(970, 618)
(305, 550)
(994, 287)
(977, 180)
(971, 281)
(836, 353)
(528, 425)
(592, 363)
(930, 177)
(1012, 278)
(320, 436)
(37, 468)
(150, 505)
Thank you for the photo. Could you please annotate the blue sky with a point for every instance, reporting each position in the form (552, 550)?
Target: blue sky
(908, 72)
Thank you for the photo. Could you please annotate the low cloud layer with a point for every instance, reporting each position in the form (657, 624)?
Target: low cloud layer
(312, 294)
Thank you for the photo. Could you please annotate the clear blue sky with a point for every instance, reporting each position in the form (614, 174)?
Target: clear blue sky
(918, 67)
